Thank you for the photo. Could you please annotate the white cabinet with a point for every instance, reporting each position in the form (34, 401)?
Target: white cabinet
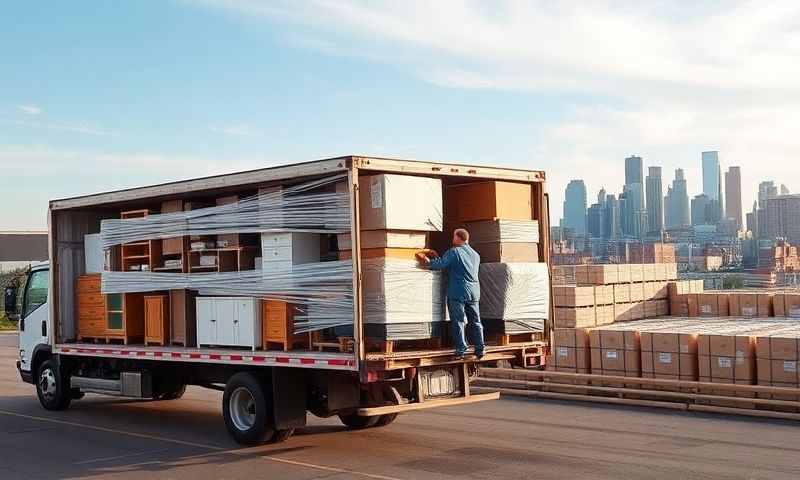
(281, 250)
(228, 321)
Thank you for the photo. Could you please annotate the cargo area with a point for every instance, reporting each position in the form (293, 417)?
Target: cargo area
(258, 267)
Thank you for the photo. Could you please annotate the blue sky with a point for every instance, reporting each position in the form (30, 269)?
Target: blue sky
(102, 95)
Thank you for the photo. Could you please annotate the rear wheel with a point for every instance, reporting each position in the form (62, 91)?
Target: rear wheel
(51, 387)
(384, 420)
(245, 409)
(358, 422)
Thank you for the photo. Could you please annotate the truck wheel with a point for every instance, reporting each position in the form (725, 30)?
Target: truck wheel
(358, 422)
(384, 420)
(281, 435)
(173, 394)
(51, 387)
(245, 407)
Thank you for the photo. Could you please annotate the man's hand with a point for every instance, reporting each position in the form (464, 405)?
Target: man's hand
(422, 258)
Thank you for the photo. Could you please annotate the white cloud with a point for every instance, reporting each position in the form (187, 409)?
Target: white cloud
(82, 128)
(236, 130)
(30, 109)
(661, 79)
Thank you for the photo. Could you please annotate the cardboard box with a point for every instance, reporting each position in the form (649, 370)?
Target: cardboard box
(637, 272)
(637, 292)
(502, 230)
(764, 305)
(623, 273)
(475, 201)
(723, 305)
(669, 355)
(649, 272)
(727, 358)
(398, 253)
(777, 358)
(385, 239)
(401, 202)
(574, 317)
(572, 296)
(693, 304)
(615, 352)
(734, 305)
(571, 350)
(597, 274)
(604, 295)
(507, 252)
(748, 305)
(670, 271)
(622, 312)
(622, 293)
(656, 308)
(791, 305)
(708, 305)
(604, 314)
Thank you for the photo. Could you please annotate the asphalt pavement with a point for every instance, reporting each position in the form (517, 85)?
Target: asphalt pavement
(108, 438)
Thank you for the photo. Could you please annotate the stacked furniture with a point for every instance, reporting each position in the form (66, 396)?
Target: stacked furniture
(110, 317)
(229, 322)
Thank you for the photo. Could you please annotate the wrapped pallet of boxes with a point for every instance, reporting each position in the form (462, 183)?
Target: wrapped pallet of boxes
(728, 354)
(570, 351)
(615, 350)
(401, 300)
(563, 274)
(515, 297)
(669, 353)
(777, 357)
(787, 305)
(744, 305)
(469, 202)
(501, 240)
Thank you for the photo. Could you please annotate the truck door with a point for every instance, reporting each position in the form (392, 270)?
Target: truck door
(33, 329)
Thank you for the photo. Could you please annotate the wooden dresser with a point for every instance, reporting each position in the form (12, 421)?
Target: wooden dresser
(116, 316)
(156, 319)
(278, 324)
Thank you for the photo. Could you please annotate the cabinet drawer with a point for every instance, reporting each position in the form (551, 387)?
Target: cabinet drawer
(276, 254)
(276, 266)
(269, 240)
(91, 313)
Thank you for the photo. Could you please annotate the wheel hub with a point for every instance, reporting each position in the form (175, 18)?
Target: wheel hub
(47, 384)
(242, 409)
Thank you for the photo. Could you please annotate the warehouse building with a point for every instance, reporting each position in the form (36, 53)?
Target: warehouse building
(20, 249)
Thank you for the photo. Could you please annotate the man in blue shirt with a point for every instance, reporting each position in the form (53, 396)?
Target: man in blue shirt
(463, 290)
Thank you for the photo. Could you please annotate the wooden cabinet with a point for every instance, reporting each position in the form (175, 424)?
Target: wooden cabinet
(116, 316)
(183, 321)
(278, 326)
(156, 319)
(228, 321)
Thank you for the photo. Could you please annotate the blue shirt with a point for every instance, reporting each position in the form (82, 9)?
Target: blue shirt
(462, 264)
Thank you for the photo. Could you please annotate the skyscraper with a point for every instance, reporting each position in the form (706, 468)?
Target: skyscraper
(701, 208)
(711, 180)
(733, 195)
(767, 190)
(676, 203)
(575, 207)
(612, 228)
(655, 201)
(632, 209)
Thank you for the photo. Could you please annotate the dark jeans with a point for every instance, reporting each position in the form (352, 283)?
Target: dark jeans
(465, 316)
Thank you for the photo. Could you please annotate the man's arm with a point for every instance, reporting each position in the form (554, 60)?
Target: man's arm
(443, 262)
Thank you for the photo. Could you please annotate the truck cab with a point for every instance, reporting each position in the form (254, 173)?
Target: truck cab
(28, 305)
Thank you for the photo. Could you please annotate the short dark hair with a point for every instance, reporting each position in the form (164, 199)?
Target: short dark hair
(462, 233)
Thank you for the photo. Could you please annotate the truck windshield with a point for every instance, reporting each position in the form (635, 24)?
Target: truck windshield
(36, 291)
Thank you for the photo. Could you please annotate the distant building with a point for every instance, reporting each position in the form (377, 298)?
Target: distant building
(676, 203)
(701, 206)
(575, 207)
(712, 181)
(20, 249)
(655, 201)
(733, 195)
(781, 219)
(766, 191)
(634, 214)
(612, 225)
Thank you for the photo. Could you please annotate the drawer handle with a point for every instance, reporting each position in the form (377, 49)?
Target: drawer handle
(213, 320)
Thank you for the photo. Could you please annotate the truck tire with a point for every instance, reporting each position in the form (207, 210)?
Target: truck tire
(246, 407)
(358, 422)
(173, 393)
(384, 420)
(51, 387)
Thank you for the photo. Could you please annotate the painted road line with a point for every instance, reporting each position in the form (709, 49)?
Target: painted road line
(216, 450)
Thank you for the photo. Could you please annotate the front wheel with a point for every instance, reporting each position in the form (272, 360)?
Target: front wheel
(52, 388)
(358, 422)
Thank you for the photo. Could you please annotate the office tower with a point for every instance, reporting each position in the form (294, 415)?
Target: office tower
(612, 228)
(632, 210)
(767, 190)
(676, 203)
(752, 220)
(701, 208)
(575, 207)
(594, 221)
(782, 218)
(655, 201)
(733, 195)
(711, 174)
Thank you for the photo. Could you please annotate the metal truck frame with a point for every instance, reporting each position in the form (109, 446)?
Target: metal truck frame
(267, 393)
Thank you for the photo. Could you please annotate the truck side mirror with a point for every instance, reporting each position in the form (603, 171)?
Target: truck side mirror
(10, 302)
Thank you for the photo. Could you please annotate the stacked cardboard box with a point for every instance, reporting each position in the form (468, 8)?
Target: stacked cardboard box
(682, 301)
(570, 351)
(499, 217)
(786, 305)
(398, 212)
(777, 357)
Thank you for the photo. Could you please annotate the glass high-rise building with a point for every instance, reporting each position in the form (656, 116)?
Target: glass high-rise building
(733, 195)
(575, 207)
(632, 210)
(655, 200)
(711, 175)
(676, 202)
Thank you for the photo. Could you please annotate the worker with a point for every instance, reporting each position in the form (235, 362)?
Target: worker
(463, 290)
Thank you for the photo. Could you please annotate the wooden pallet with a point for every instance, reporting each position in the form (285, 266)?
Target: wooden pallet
(391, 346)
(512, 338)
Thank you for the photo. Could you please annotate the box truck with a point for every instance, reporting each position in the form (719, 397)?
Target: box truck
(148, 290)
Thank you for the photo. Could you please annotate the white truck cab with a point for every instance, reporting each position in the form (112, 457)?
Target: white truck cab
(28, 305)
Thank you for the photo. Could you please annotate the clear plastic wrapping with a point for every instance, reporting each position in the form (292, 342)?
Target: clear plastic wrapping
(297, 208)
(399, 291)
(501, 230)
(515, 292)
